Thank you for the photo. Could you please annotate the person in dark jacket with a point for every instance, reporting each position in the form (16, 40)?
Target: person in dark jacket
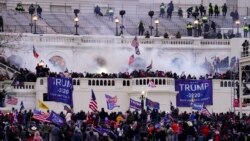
(202, 10)
(189, 11)
(213, 26)
(141, 28)
(1, 24)
(216, 10)
(39, 11)
(77, 136)
(210, 10)
(224, 10)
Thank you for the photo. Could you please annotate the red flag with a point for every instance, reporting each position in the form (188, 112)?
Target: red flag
(36, 55)
(131, 59)
(237, 104)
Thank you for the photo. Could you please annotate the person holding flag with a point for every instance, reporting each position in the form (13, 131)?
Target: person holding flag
(21, 106)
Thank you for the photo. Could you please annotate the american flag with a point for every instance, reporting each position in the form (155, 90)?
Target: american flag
(11, 100)
(41, 116)
(131, 59)
(93, 104)
(205, 112)
(36, 55)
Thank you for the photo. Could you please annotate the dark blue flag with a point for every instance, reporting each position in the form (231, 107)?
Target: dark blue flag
(152, 104)
(60, 90)
(135, 104)
(56, 119)
(189, 91)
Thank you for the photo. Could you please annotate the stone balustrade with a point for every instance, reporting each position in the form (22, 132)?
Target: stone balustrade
(111, 40)
(102, 82)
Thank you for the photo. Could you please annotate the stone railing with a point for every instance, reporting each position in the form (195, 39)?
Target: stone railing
(107, 40)
(26, 85)
(229, 83)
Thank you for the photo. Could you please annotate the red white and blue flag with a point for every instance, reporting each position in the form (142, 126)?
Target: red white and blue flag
(111, 102)
(36, 55)
(205, 112)
(11, 100)
(93, 104)
(41, 116)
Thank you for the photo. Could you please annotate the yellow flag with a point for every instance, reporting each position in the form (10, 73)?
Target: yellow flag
(42, 105)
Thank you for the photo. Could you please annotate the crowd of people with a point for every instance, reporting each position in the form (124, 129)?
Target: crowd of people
(205, 26)
(25, 75)
(148, 125)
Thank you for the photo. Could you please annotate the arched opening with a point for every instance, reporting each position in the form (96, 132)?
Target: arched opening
(57, 63)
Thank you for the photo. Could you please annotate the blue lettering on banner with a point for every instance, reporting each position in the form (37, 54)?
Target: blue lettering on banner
(191, 91)
(60, 90)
